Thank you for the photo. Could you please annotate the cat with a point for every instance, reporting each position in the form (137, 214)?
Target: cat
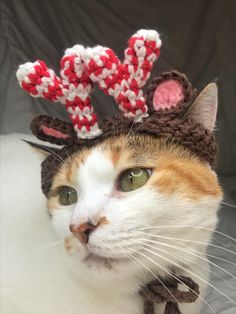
(130, 209)
(136, 231)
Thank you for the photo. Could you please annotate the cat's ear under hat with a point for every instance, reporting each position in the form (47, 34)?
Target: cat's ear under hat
(170, 93)
(204, 108)
(43, 150)
(53, 130)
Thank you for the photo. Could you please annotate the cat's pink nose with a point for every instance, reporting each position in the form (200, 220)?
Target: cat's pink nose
(83, 231)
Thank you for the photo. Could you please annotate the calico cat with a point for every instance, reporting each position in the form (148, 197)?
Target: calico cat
(136, 198)
(132, 208)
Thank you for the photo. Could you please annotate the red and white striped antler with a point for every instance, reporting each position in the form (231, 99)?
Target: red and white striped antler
(72, 89)
(81, 66)
(124, 81)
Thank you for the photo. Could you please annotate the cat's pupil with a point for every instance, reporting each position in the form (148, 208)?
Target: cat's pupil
(133, 179)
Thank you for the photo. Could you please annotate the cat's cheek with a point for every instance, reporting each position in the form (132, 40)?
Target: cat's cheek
(130, 210)
(61, 218)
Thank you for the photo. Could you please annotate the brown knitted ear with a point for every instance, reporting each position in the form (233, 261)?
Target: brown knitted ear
(53, 130)
(170, 93)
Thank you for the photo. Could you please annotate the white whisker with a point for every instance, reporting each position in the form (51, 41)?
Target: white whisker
(188, 226)
(189, 252)
(55, 154)
(46, 246)
(170, 274)
(189, 271)
(162, 283)
(187, 261)
(228, 204)
(191, 241)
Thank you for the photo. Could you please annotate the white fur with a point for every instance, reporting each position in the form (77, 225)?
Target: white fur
(48, 281)
(95, 185)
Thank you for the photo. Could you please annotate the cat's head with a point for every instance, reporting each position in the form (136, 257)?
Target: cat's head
(135, 201)
(133, 195)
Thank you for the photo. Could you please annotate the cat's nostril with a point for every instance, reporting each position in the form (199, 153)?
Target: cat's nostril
(83, 231)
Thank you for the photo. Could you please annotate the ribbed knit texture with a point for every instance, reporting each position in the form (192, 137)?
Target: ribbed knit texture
(166, 291)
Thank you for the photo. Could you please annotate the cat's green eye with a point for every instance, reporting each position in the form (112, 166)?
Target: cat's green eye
(133, 179)
(67, 195)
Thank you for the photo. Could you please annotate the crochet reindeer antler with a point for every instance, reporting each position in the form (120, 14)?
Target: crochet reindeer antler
(81, 66)
(72, 89)
(170, 110)
(124, 81)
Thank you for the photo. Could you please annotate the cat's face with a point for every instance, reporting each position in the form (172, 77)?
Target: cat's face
(142, 196)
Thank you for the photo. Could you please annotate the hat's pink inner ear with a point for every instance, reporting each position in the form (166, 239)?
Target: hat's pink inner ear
(52, 132)
(167, 94)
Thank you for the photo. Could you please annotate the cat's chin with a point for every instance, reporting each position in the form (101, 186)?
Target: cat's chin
(88, 257)
(92, 259)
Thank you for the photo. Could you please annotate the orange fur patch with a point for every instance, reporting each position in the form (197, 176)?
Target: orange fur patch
(71, 244)
(188, 178)
(103, 221)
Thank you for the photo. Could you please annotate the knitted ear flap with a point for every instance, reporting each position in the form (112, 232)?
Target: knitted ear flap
(53, 130)
(169, 92)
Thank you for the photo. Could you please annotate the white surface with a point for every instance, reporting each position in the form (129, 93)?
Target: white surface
(27, 277)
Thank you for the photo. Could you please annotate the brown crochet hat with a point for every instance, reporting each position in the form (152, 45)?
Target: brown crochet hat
(170, 108)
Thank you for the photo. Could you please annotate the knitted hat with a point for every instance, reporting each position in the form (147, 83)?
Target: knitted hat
(168, 110)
